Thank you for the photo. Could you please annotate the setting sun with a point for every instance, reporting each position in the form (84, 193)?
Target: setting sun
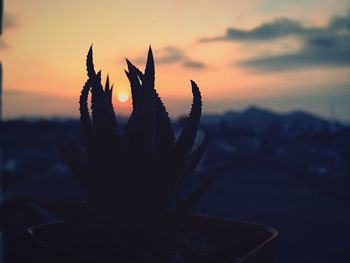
(123, 96)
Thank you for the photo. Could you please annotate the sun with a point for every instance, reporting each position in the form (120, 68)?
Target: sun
(123, 96)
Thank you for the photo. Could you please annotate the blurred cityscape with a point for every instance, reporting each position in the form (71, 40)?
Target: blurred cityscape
(290, 171)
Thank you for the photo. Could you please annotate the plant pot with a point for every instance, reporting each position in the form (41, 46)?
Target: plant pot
(244, 242)
(228, 240)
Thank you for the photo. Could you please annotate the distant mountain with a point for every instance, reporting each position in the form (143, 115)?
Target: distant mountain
(254, 114)
(252, 118)
(302, 116)
(259, 119)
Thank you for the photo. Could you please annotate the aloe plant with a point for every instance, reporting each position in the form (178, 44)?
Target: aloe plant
(134, 178)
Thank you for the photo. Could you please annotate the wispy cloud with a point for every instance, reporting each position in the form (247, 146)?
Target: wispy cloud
(194, 64)
(23, 103)
(322, 51)
(171, 55)
(9, 21)
(277, 28)
(281, 27)
(328, 46)
(2, 43)
(321, 46)
(166, 55)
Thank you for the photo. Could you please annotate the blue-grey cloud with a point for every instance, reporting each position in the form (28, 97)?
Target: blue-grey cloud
(328, 52)
(171, 55)
(9, 21)
(321, 46)
(10, 93)
(340, 22)
(281, 28)
(2, 43)
(277, 28)
(194, 64)
(166, 55)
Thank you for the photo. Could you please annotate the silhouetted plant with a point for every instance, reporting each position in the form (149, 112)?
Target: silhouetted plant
(134, 179)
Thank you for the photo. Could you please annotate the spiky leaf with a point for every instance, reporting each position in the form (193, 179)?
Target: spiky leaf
(85, 120)
(142, 128)
(186, 140)
(76, 160)
(104, 122)
(135, 87)
(90, 65)
(193, 161)
(165, 137)
(108, 90)
(184, 205)
(184, 144)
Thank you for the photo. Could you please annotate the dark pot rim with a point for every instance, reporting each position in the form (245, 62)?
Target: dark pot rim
(273, 233)
(270, 232)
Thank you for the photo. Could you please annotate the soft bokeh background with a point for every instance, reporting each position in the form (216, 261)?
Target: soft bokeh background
(289, 170)
(283, 55)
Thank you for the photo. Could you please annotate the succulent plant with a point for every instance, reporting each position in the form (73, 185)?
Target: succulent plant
(133, 179)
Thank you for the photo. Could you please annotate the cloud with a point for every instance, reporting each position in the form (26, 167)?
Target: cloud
(323, 51)
(2, 43)
(339, 22)
(9, 21)
(281, 27)
(194, 64)
(171, 55)
(327, 46)
(10, 93)
(166, 55)
(277, 28)
(25, 103)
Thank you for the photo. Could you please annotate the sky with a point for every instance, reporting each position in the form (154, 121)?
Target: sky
(279, 54)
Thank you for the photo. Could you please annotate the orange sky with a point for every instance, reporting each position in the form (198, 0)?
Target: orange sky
(44, 46)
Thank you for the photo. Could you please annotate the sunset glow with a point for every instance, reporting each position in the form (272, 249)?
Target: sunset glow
(300, 60)
(123, 96)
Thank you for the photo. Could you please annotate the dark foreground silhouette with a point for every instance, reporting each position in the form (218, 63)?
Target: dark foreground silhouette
(289, 171)
(138, 188)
